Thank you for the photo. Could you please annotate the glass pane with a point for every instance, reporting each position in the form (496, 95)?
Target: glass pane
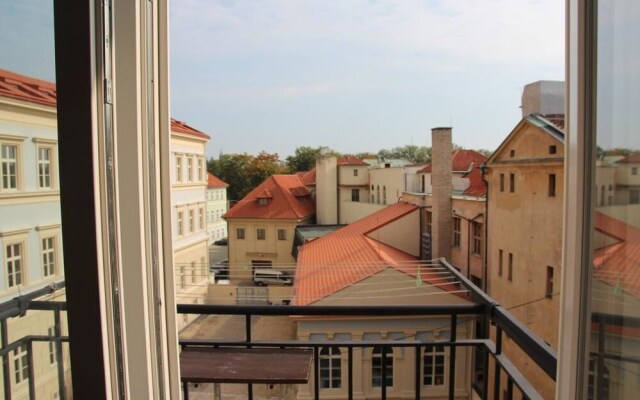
(31, 256)
(615, 295)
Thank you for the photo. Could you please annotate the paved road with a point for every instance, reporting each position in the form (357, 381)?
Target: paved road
(217, 254)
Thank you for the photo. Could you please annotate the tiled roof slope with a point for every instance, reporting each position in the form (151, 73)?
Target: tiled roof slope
(215, 182)
(462, 161)
(179, 126)
(281, 191)
(618, 264)
(344, 257)
(21, 87)
(309, 178)
(630, 159)
(477, 186)
(351, 161)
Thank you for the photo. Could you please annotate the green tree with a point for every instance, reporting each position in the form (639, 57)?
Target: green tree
(485, 152)
(304, 159)
(413, 153)
(261, 167)
(231, 168)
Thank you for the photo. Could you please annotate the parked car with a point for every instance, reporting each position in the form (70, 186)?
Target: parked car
(263, 277)
(221, 270)
(221, 242)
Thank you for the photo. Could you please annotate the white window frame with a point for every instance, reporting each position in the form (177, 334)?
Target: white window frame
(190, 169)
(390, 366)
(180, 221)
(327, 368)
(48, 256)
(178, 165)
(17, 142)
(20, 364)
(49, 145)
(191, 219)
(434, 354)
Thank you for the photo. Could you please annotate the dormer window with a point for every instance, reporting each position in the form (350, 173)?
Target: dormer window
(263, 201)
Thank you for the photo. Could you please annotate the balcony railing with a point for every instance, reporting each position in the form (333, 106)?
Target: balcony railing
(486, 312)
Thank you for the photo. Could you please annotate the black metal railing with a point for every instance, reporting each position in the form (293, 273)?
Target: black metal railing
(485, 309)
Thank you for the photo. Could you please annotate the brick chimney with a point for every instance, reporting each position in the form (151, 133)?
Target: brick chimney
(442, 220)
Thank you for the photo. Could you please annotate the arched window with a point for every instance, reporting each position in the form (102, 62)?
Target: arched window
(330, 368)
(376, 367)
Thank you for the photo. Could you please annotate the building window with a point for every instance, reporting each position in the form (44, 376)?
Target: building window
(433, 362)
(502, 182)
(634, 170)
(384, 195)
(14, 264)
(194, 275)
(634, 196)
(549, 291)
(200, 169)
(477, 237)
(48, 256)
(423, 184)
(191, 221)
(44, 167)
(282, 234)
(20, 364)
(178, 168)
(201, 217)
(456, 231)
(330, 368)
(240, 233)
(376, 367)
(428, 222)
(512, 153)
(52, 345)
(510, 268)
(500, 262)
(355, 194)
(180, 223)
(552, 185)
(553, 149)
(181, 280)
(512, 183)
(378, 194)
(261, 234)
(355, 172)
(9, 166)
(189, 169)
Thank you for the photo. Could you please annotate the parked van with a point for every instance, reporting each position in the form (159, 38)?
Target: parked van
(262, 277)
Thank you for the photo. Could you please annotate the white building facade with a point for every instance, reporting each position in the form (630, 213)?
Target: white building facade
(189, 227)
(216, 208)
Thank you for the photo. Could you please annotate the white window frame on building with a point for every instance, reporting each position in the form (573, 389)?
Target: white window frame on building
(46, 168)
(11, 163)
(477, 239)
(11, 241)
(330, 367)
(376, 364)
(457, 231)
(282, 234)
(178, 158)
(434, 357)
(20, 364)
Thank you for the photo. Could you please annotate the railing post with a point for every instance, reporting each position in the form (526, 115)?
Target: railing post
(383, 387)
(350, 372)
(6, 374)
(452, 356)
(418, 367)
(316, 373)
(509, 389)
(247, 329)
(62, 392)
(496, 378)
(32, 383)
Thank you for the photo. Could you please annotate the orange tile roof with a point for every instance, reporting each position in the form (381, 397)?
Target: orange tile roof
(280, 190)
(462, 160)
(309, 178)
(351, 161)
(32, 90)
(630, 159)
(477, 186)
(215, 182)
(350, 254)
(179, 126)
(618, 264)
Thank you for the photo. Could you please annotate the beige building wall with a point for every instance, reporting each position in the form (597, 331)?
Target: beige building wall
(245, 252)
(388, 328)
(605, 189)
(191, 266)
(391, 182)
(469, 211)
(525, 231)
(395, 234)
(351, 211)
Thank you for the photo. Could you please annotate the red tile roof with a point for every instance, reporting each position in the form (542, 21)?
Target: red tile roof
(350, 254)
(282, 203)
(179, 126)
(630, 159)
(618, 264)
(555, 119)
(21, 87)
(351, 161)
(309, 178)
(477, 186)
(215, 182)
(462, 160)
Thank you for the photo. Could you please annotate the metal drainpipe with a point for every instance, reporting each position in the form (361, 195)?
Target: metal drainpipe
(485, 267)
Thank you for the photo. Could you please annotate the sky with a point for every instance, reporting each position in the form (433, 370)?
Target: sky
(353, 75)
